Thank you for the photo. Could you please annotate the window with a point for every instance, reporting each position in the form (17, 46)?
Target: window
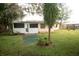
(18, 25)
(42, 25)
(33, 25)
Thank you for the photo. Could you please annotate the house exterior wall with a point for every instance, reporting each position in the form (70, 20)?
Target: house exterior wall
(33, 30)
(23, 30)
(46, 28)
(20, 30)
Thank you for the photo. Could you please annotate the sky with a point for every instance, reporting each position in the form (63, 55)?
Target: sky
(74, 6)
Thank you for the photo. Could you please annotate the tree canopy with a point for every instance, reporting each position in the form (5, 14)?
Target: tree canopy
(51, 13)
(64, 11)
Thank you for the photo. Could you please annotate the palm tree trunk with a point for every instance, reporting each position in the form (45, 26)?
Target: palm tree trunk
(49, 34)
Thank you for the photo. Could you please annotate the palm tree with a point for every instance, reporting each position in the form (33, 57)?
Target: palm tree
(51, 14)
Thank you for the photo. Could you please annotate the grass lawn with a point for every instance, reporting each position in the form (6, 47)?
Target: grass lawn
(65, 43)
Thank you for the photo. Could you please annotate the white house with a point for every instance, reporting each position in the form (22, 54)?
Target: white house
(31, 24)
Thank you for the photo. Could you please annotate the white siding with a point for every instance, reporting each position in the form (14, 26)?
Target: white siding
(19, 30)
(26, 25)
(23, 30)
(46, 28)
(33, 30)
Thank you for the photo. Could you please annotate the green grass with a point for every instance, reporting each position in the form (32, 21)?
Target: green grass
(65, 43)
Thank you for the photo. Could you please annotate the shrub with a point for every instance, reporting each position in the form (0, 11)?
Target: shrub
(43, 41)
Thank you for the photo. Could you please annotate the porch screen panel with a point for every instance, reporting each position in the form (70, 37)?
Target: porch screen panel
(33, 25)
(18, 25)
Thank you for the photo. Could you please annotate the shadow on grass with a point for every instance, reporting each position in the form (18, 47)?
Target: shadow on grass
(30, 38)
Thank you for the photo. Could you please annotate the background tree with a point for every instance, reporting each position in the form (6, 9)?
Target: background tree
(2, 8)
(51, 14)
(8, 13)
(64, 13)
(33, 8)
